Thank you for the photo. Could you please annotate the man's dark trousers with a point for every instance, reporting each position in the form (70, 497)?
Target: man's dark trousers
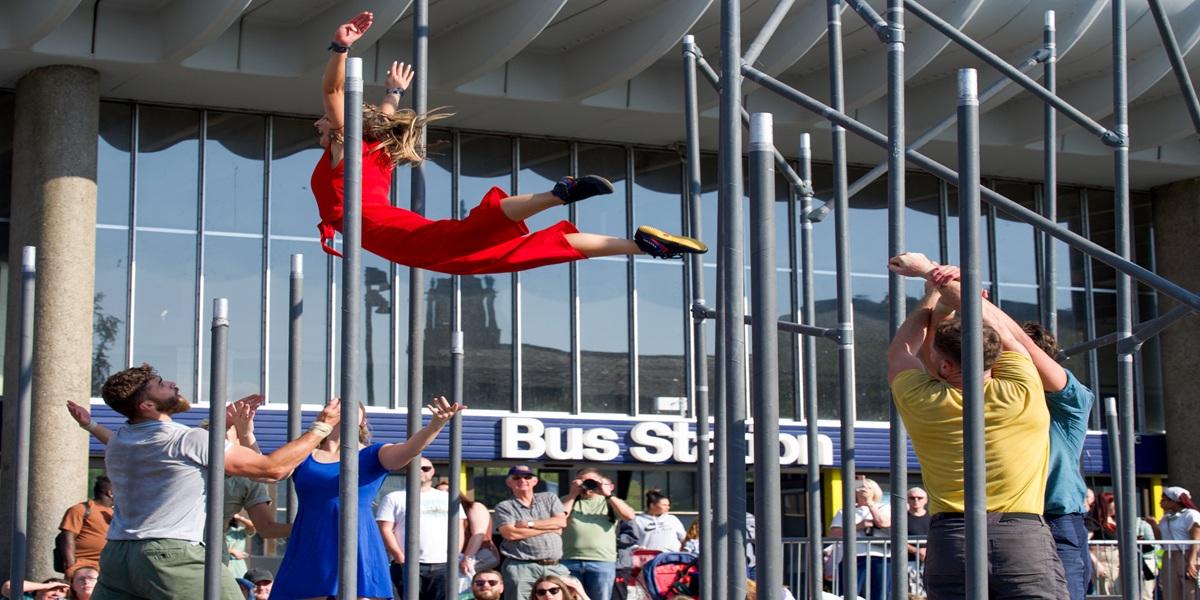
(1022, 561)
(433, 581)
(1071, 542)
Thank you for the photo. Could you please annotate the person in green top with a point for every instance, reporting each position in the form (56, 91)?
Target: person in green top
(590, 538)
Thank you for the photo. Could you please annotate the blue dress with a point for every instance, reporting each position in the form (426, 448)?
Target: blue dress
(310, 565)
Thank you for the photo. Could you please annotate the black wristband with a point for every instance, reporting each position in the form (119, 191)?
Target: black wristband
(397, 91)
(340, 49)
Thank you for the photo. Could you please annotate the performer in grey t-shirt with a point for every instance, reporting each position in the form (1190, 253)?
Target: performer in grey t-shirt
(159, 468)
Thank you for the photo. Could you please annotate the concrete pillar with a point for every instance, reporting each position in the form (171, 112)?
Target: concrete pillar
(53, 208)
(1176, 221)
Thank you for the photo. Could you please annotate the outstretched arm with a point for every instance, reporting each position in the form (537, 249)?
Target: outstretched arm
(904, 353)
(84, 419)
(279, 464)
(399, 76)
(394, 457)
(333, 82)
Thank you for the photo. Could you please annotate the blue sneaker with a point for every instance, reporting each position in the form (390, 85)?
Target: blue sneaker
(570, 189)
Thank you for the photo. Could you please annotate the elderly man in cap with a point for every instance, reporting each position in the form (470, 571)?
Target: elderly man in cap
(531, 525)
(260, 581)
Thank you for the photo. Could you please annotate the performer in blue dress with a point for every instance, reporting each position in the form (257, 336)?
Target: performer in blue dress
(310, 565)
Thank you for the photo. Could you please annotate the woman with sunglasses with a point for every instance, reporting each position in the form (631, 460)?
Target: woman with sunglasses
(553, 587)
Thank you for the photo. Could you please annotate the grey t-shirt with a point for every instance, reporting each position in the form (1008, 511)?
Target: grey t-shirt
(547, 546)
(158, 470)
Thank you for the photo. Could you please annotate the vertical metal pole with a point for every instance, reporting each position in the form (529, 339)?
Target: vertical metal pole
(814, 565)
(1114, 448)
(897, 435)
(699, 355)
(1089, 307)
(845, 309)
(218, 391)
(971, 313)
(1175, 56)
(416, 313)
(733, 309)
(352, 296)
(720, 484)
(456, 396)
(20, 487)
(295, 341)
(768, 532)
(1050, 175)
(1128, 505)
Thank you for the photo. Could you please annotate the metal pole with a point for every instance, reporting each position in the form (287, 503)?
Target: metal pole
(1177, 65)
(733, 309)
(218, 391)
(971, 313)
(352, 296)
(1050, 174)
(699, 355)
(768, 515)
(1114, 448)
(768, 29)
(897, 435)
(845, 308)
(20, 488)
(295, 312)
(1003, 203)
(814, 564)
(416, 313)
(456, 396)
(1128, 504)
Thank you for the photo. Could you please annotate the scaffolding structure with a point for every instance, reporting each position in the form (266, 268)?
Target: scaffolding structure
(722, 497)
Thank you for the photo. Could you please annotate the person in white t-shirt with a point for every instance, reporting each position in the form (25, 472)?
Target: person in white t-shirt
(656, 528)
(1180, 566)
(435, 510)
(872, 519)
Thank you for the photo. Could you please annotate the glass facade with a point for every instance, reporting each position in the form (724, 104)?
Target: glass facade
(196, 204)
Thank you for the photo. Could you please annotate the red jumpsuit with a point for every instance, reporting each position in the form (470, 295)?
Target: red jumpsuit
(485, 241)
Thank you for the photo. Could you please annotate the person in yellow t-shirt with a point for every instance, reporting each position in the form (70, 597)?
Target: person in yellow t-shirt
(925, 373)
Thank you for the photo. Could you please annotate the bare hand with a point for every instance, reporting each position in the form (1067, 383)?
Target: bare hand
(860, 497)
(910, 264)
(399, 75)
(608, 487)
(944, 274)
(442, 410)
(349, 32)
(332, 413)
(240, 414)
(1193, 571)
(79, 413)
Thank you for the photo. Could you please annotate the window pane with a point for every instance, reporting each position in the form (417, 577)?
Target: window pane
(1015, 257)
(233, 269)
(6, 151)
(168, 149)
(112, 164)
(165, 305)
(437, 286)
(294, 153)
(313, 321)
(233, 173)
(545, 292)
(110, 305)
(375, 355)
(661, 313)
(603, 291)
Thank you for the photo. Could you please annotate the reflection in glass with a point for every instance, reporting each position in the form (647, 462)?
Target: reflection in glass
(6, 151)
(294, 154)
(545, 292)
(374, 355)
(1015, 257)
(112, 164)
(660, 304)
(165, 306)
(313, 321)
(110, 304)
(233, 173)
(168, 150)
(233, 269)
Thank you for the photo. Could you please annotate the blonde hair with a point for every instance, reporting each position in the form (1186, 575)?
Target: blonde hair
(399, 134)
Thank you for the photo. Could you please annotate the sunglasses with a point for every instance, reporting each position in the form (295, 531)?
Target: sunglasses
(486, 582)
(554, 591)
(521, 476)
(911, 498)
(427, 468)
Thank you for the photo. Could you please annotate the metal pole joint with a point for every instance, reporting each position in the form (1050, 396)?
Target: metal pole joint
(1114, 140)
(1044, 55)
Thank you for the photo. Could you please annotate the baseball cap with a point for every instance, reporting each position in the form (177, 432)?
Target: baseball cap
(257, 575)
(521, 470)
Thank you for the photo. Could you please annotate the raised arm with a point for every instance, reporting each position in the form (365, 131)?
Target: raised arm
(333, 81)
(904, 353)
(278, 464)
(399, 76)
(394, 457)
(84, 419)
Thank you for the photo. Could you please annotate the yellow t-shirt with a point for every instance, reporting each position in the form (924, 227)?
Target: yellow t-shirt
(1016, 435)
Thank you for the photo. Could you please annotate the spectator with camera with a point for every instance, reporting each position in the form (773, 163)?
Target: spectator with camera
(590, 537)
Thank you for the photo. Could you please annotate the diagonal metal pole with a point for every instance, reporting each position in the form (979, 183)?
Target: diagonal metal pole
(352, 295)
(20, 487)
(699, 355)
(1171, 45)
(416, 313)
(1109, 137)
(218, 393)
(768, 540)
(768, 29)
(809, 369)
(971, 313)
(1050, 176)
(845, 309)
(1002, 202)
(295, 313)
(897, 434)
